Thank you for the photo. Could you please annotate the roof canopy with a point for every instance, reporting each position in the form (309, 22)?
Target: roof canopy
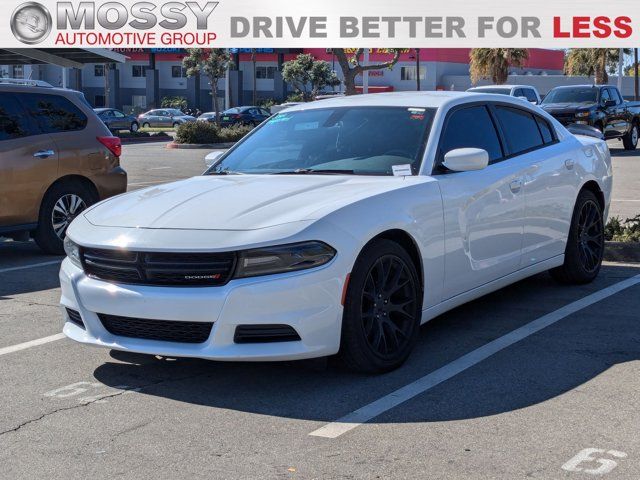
(63, 57)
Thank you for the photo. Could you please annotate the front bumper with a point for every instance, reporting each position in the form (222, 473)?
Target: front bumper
(308, 301)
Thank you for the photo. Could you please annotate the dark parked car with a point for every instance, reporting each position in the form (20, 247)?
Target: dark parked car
(164, 117)
(243, 116)
(117, 120)
(599, 106)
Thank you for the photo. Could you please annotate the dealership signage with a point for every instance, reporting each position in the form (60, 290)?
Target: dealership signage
(284, 23)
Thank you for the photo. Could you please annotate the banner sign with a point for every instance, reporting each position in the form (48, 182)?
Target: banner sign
(327, 23)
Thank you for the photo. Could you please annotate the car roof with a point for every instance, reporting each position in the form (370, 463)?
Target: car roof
(404, 99)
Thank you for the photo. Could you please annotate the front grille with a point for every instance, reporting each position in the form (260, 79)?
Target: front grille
(161, 269)
(165, 330)
(265, 334)
(74, 317)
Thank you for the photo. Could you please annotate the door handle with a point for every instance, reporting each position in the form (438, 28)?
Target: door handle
(44, 154)
(569, 163)
(516, 185)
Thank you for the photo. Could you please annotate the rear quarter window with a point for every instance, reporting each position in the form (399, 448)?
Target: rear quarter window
(54, 113)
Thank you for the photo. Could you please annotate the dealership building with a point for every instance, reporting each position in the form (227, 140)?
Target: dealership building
(148, 75)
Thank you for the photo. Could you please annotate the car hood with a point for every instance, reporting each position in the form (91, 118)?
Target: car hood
(238, 202)
(566, 107)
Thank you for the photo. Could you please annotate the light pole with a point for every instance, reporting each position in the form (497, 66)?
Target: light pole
(418, 68)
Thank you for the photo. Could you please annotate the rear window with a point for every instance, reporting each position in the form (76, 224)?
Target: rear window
(520, 129)
(13, 121)
(54, 113)
(545, 130)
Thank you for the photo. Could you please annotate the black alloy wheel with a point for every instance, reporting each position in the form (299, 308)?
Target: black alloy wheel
(387, 306)
(590, 236)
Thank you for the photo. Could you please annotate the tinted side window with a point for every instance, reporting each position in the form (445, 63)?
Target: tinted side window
(471, 128)
(54, 113)
(604, 95)
(520, 129)
(615, 95)
(518, 93)
(14, 122)
(545, 130)
(530, 94)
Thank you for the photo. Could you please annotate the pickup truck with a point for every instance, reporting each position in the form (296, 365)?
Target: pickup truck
(599, 106)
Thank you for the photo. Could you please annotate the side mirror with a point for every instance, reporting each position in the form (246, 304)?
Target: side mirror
(609, 103)
(466, 159)
(212, 158)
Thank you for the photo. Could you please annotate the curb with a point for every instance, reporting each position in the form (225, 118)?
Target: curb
(195, 146)
(625, 252)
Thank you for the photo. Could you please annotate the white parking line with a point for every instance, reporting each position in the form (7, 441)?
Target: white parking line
(32, 343)
(372, 410)
(33, 265)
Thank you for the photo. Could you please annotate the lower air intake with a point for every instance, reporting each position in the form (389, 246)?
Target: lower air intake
(75, 318)
(265, 334)
(163, 330)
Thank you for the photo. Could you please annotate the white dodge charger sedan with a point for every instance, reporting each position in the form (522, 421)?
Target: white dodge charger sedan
(340, 226)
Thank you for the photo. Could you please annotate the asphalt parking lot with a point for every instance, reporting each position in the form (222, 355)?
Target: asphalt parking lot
(534, 381)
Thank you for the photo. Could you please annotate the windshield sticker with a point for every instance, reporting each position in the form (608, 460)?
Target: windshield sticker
(401, 170)
(417, 113)
(306, 126)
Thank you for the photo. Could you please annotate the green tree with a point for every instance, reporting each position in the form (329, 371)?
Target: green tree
(174, 102)
(494, 63)
(309, 76)
(213, 63)
(597, 62)
(351, 66)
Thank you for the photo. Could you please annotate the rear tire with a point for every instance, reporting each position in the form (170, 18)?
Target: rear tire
(134, 127)
(146, 125)
(585, 245)
(382, 312)
(61, 204)
(630, 140)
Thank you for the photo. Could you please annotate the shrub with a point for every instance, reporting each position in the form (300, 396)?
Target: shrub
(174, 102)
(627, 231)
(266, 103)
(296, 97)
(205, 132)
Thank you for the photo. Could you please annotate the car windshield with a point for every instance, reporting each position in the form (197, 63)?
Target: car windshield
(499, 91)
(348, 140)
(572, 95)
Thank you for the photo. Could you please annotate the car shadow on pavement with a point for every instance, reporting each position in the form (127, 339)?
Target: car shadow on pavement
(556, 360)
(16, 277)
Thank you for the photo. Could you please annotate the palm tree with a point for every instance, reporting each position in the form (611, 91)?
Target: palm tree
(593, 61)
(494, 63)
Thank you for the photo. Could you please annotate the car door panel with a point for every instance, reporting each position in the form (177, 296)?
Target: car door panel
(550, 188)
(483, 216)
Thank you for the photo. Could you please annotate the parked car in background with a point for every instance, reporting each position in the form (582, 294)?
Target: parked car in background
(56, 159)
(526, 92)
(340, 226)
(207, 117)
(283, 106)
(244, 116)
(164, 117)
(116, 120)
(599, 106)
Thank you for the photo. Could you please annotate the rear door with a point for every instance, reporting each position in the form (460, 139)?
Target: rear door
(483, 210)
(28, 162)
(549, 181)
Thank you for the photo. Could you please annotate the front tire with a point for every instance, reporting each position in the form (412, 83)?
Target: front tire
(61, 204)
(382, 312)
(134, 127)
(630, 140)
(585, 245)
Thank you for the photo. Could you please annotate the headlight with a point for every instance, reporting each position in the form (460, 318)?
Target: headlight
(283, 258)
(73, 252)
(582, 114)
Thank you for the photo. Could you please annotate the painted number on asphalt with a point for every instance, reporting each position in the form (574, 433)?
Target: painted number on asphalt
(96, 392)
(594, 461)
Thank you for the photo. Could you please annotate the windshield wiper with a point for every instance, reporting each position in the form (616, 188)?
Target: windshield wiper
(319, 171)
(226, 172)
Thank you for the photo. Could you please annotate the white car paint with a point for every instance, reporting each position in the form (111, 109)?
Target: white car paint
(476, 232)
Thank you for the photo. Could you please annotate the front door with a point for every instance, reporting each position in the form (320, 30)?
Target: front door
(483, 210)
